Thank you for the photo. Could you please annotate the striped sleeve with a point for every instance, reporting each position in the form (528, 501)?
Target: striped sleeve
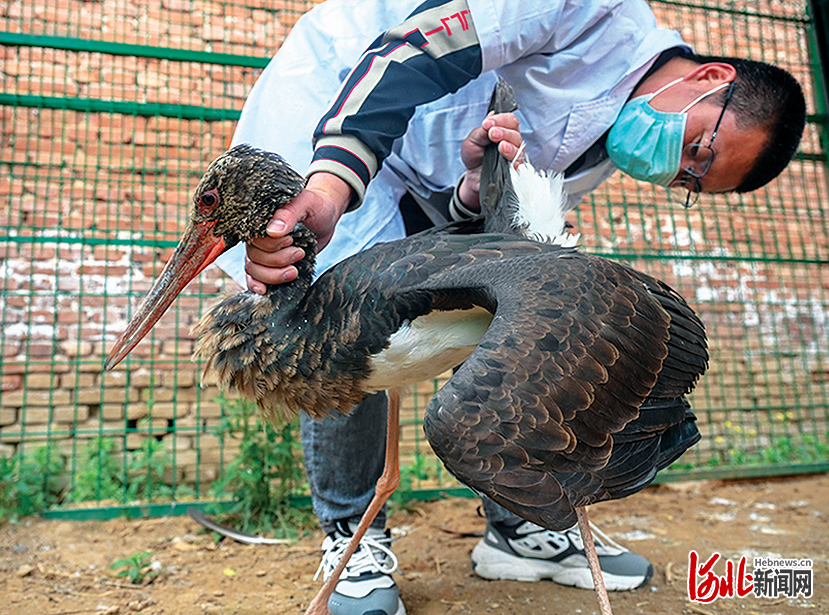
(434, 52)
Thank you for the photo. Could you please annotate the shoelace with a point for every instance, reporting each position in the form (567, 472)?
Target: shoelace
(602, 540)
(607, 540)
(372, 556)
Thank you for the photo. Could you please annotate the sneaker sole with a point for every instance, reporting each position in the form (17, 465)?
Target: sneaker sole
(494, 564)
(401, 609)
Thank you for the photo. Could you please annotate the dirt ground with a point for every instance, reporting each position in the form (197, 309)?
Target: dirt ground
(62, 567)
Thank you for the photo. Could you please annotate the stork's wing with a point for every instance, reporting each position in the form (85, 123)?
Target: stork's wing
(576, 346)
(665, 427)
(544, 415)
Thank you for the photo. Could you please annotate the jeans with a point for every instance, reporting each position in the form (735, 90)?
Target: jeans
(344, 457)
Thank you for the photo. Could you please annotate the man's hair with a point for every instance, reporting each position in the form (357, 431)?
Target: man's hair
(770, 98)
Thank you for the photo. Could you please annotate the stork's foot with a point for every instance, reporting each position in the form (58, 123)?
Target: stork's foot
(524, 551)
(366, 584)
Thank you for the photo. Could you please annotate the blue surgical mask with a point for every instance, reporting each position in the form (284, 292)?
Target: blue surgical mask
(647, 144)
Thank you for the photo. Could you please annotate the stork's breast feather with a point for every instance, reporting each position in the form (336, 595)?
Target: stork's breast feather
(247, 350)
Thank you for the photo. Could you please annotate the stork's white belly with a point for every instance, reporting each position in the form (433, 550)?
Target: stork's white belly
(427, 347)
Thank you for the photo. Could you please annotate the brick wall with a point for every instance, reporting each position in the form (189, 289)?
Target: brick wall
(93, 200)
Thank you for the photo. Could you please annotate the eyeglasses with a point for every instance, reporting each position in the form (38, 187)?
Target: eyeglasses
(686, 193)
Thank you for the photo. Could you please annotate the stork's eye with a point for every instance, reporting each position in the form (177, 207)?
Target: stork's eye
(208, 202)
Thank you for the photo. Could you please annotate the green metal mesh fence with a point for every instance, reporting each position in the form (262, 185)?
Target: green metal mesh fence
(111, 111)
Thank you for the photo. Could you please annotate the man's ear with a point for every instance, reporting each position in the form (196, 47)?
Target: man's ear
(712, 74)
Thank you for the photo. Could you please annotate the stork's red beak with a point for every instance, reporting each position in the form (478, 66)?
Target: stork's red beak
(197, 249)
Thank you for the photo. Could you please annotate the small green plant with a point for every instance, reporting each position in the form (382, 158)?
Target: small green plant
(137, 568)
(738, 446)
(99, 475)
(803, 448)
(145, 472)
(9, 497)
(264, 477)
(422, 468)
(30, 483)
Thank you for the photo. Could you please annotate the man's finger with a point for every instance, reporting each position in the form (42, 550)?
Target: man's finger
(286, 218)
(479, 136)
(269, 244)
(283, 222)
(258, 276)
(274, 258)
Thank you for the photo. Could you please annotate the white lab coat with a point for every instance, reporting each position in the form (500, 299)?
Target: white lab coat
(572, 64)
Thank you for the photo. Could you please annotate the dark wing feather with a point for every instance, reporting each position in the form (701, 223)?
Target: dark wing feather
(663, 431)
(665, 427)
(529, 418)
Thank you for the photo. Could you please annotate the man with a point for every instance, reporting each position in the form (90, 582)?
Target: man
(600, 88)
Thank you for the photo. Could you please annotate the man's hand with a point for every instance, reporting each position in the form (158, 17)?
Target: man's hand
(319, 206)
(502, 129)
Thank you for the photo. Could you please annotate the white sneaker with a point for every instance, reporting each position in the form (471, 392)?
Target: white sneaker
(366, 586)
(528, 552)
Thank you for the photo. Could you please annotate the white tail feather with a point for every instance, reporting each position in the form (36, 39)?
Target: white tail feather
(542, 205)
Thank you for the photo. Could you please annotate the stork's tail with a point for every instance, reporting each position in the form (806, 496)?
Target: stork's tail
(498, 199)
(525, 201)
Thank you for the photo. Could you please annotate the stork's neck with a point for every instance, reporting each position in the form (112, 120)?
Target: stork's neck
(305, 239)
(265, 347)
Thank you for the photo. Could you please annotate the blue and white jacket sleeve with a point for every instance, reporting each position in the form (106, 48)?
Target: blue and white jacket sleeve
(434, 52)
(586, 55)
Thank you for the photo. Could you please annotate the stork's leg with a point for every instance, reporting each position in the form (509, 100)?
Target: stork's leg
(386, 485)
(593, 560)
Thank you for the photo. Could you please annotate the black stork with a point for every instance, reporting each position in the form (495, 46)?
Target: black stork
(573, 368)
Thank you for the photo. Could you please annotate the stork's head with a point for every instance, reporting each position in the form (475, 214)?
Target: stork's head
(233, 203)
(239, 193)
